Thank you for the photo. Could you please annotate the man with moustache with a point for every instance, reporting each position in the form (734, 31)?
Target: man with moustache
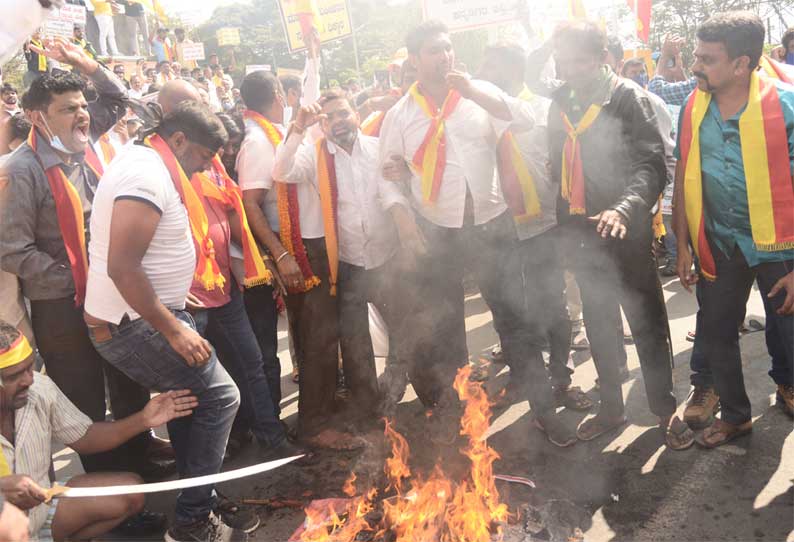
(607, 154)
(45, 204)
(34, 413)
(447, 127)
(733, 203)
(360, 237)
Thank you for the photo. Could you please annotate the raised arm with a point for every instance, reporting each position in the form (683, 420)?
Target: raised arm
(295, 162)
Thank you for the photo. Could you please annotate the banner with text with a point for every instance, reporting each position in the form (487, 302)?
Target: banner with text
(334, 22)
(191, 51)
(467, 14)
(61, 21)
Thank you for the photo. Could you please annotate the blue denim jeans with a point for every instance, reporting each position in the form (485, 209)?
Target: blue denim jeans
(229, 330)
(143, 354)
(263, 316)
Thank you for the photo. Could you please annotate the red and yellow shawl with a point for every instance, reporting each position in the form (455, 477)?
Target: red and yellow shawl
(69, 210)
(256, 273)
(767, 167)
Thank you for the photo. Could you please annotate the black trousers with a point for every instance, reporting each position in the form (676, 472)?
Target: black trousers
(622, 273)
(80, 372)
(357, 287)
(491, 252)
(315, 319)
(722, 308)
(544, 286)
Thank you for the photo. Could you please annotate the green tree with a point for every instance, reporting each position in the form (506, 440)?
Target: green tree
(682, 17)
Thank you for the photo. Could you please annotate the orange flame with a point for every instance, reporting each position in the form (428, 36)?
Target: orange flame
(349, 488)
(396, 467)
(433, 509)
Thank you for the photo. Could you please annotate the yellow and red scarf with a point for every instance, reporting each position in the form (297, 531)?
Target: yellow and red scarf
(256, 272)
(430, 158)
(572, 170)
(518, 186)
(329, 197)
(288, 211)
(42, 60)
(207, 271)
(69, 209)
(776, 70)
(765, 153)
(373, 123)
(108, 151)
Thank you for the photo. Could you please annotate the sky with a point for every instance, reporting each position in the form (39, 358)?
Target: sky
(196, 11)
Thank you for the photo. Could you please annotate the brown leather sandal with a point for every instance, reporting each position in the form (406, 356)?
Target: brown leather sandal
(573, 398)
(720, 432)
(598, 425)
(677, 435)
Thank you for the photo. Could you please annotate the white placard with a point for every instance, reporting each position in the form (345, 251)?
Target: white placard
(466, 14)
(191, 51)
(61, 22)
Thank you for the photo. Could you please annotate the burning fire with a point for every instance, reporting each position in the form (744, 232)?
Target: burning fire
(433, 508)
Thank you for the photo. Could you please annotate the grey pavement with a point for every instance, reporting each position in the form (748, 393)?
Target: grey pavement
(628, 484)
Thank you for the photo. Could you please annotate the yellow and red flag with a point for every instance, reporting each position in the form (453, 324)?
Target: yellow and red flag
(576, 9)
(642, 14)
(308, 16)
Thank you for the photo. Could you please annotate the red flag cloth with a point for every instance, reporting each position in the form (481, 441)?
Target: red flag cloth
(642, 11)
(308, 16)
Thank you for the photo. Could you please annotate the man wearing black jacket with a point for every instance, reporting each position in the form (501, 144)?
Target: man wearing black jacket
(608, 156)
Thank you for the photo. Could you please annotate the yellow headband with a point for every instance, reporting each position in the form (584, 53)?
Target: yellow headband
(18, 352)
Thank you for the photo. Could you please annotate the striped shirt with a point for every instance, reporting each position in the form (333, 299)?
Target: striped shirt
(138, 173)
(47, 415)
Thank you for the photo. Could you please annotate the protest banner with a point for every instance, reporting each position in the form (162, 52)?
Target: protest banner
(467, 14)
(250, 68)
(61, 22)
(334, 22)
(228, 36)
(190, 51)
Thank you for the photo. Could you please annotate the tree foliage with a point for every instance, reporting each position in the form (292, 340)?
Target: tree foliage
(682, 17)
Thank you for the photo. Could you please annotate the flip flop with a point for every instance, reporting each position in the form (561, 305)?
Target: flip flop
(710, 438)
(595, 427)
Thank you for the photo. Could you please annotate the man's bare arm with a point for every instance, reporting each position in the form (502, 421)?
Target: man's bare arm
(132, 229)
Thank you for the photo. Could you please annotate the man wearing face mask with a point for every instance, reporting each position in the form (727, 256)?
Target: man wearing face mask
(45, 206)
(360, 237)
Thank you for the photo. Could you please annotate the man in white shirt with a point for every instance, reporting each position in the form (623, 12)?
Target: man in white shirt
(345, 162)
(462, 217)
(532, 198)
(311, 308)
(143, 260)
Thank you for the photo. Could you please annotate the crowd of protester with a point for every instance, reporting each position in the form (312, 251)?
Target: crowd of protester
(156, 224)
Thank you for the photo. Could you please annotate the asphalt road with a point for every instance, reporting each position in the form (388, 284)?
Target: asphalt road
(626, 485)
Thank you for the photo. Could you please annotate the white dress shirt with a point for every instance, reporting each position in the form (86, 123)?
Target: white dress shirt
(367, 235)
(534, 147)
(471, 138)
(255, 171)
